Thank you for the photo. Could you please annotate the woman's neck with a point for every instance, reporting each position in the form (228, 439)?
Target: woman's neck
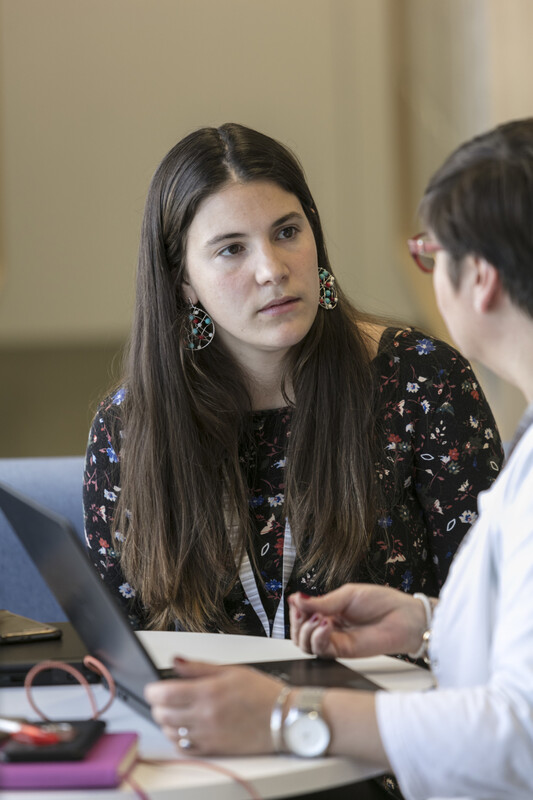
(266, 372)
(266, 395)
(506, 346)
(264, 384)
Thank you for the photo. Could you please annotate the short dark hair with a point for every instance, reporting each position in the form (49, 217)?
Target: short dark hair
(480, 202)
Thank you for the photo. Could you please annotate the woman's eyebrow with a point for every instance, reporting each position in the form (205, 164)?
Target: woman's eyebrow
(222, 237)
(292, 215)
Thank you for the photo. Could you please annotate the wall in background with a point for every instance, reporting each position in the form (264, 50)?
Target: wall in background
(466, 67)
(96, 91)
(371, 94)
(49, 396)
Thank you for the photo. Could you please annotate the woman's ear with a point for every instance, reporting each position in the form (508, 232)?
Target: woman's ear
(188, 293)
(487, 287)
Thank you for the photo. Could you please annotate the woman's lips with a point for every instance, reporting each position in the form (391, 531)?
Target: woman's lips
(280, 306)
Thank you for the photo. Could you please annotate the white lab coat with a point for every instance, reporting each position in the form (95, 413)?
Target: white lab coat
(473, 735)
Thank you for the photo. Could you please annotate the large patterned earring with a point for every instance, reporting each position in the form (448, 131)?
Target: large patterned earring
(328, 294)
(201, 328)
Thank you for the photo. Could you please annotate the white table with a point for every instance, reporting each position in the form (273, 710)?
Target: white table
(272, 776)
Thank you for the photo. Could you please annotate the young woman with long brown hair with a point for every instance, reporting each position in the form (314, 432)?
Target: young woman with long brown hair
(267, 437)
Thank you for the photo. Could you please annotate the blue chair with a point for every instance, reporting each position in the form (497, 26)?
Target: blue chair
(57, 484)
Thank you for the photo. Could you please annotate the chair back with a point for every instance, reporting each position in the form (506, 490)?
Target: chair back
(57, 484)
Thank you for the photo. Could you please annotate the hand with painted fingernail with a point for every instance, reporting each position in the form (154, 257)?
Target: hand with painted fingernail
(356, 621)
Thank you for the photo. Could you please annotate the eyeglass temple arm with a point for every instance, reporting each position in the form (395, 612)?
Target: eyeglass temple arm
(419, 246)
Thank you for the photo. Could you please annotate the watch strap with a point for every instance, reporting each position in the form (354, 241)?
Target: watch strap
(309, 698)
(276, 719)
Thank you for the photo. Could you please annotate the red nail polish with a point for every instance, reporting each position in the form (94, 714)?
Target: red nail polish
(314, 618)
(305, 596)
(324, 622)
(180, 660)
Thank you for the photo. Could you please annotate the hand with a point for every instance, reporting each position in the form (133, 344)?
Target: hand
(357, 620)
(225, 709)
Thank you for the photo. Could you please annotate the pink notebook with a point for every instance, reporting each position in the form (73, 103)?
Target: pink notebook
(106, 763)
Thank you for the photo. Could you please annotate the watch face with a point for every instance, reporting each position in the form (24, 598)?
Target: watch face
(308, 736)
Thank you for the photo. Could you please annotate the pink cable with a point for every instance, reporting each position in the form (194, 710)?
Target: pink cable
(195, 762)
(91, 663)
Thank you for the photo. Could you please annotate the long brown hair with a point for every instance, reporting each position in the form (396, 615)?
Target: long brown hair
(186, 412)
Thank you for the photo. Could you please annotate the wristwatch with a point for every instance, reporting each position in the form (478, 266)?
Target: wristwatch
(305, 731)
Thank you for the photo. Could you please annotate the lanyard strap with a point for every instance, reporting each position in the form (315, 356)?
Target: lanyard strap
(249, 582)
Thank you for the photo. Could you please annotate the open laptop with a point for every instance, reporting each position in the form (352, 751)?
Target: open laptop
(101, 624)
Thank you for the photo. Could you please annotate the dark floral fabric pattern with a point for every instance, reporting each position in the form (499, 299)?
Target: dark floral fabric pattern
(438, 448)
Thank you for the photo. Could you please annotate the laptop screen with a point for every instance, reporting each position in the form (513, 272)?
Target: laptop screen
(59, 556)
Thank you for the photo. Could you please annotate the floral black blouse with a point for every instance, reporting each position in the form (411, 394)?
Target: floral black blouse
(439, 447)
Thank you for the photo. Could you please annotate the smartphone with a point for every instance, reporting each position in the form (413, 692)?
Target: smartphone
(14, 628)
(83, 734)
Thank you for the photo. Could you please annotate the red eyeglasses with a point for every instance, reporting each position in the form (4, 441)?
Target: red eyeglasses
(423, 251)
